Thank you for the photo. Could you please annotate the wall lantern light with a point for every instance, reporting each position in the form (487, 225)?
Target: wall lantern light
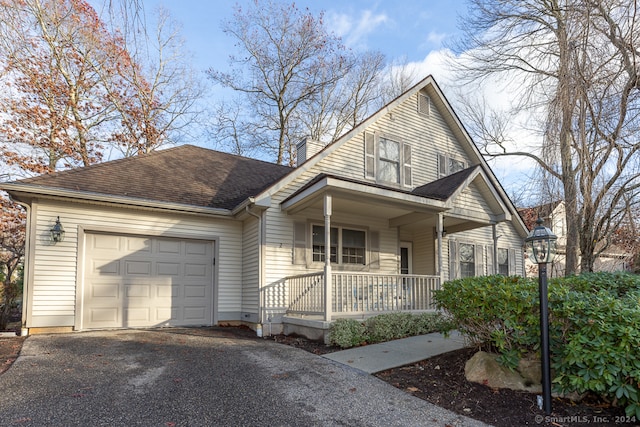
(57, 232)
(541, 248)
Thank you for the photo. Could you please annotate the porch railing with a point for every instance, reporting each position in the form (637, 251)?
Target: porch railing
(351, 294)
(366, 293)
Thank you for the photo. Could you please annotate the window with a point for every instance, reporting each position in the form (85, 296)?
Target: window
(348, 246)
(467, 260)
(503, 261)
(387, 160)
(448, 165)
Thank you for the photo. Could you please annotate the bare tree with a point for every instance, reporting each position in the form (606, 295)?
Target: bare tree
(577, 63)
(289, 68)
(158, 98)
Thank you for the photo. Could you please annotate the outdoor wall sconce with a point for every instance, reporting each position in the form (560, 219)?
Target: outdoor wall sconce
(57, 232)
(541, 248)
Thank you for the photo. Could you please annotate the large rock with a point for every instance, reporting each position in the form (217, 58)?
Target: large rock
(484, 368)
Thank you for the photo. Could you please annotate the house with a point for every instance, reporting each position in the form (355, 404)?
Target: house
(371, 223)
(612, 258)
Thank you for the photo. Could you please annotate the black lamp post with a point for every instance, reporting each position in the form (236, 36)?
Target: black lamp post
(541, 247)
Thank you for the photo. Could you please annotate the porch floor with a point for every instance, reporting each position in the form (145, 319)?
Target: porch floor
(392, 354)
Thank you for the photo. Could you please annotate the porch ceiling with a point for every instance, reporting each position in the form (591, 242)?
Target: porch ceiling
(361, 199)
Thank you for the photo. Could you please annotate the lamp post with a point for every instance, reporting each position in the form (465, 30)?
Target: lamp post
(541, 247)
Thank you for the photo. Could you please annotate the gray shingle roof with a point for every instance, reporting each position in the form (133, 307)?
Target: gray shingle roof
(185, 174)
(444, 188)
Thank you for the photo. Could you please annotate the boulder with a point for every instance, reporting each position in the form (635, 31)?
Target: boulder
(484, 368)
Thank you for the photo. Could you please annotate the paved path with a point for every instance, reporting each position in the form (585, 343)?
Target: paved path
(173, 377)
(387, 355)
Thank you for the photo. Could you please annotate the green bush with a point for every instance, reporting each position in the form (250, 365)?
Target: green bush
(347, 333)
(594, 327)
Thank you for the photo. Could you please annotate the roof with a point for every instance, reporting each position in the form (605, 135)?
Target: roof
(185, 175)
(444, 188)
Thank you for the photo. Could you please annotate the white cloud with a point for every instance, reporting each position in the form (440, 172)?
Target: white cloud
(355, 30)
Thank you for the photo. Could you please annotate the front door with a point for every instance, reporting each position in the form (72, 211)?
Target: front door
(406, 266)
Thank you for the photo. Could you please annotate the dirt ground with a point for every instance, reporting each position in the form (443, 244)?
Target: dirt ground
(440, 380)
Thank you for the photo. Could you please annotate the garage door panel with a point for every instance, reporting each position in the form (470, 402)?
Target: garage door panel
(144, 282)
(194, 248)
(137, 316)
(168, 269)
(196, 270)
(105, 267)
(108, 291)
(138, 245)
(137, 268)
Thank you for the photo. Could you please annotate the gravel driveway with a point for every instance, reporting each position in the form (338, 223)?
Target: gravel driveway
(196, 377)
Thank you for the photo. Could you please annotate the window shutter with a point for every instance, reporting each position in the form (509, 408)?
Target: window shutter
(299, 243)
(374, 249)
(442, 165)
(369, 155)
(512, 262)
(479, 255)
(406, 151)
(453, 259)
(491, 262)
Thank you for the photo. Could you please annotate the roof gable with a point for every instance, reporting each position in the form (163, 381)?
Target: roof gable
(185, 174)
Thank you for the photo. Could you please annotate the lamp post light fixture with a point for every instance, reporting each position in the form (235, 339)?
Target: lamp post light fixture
(57, 232)
(541, 248)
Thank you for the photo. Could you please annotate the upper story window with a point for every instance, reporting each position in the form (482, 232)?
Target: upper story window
(448, 165)
(387, 160)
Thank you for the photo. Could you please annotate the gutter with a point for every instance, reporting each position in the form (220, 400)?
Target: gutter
(58, 193)
(27, 276)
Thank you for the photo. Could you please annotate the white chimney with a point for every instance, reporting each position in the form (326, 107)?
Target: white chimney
(306, 149)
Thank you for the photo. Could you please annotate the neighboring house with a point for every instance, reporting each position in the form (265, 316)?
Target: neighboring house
(613, 258)
(371, 223)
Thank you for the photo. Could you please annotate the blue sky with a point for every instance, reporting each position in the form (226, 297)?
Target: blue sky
(400, 29)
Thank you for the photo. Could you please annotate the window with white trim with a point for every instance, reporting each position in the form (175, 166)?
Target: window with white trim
(503, 261)
(387, 159)
(349, 246)
(467, 259)
(448, 165)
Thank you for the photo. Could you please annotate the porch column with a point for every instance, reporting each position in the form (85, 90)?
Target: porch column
(494, 228)
(439, 229)
(327, 258)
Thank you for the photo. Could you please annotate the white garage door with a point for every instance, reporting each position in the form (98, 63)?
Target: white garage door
(133, 282)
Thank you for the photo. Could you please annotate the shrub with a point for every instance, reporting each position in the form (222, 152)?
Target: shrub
(346, 333)
(594, 327)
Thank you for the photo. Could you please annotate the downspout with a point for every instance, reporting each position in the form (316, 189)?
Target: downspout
(260, 273)
(24, 331)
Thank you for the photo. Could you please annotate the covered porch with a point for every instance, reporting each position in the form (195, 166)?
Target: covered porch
(349, 295)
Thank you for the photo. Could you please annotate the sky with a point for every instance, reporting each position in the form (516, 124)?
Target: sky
(399, 28)
(415, 32)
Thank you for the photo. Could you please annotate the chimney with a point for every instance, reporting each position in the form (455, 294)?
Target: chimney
(306, 149)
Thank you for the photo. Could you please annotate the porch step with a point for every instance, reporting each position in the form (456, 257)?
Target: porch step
(392, 354)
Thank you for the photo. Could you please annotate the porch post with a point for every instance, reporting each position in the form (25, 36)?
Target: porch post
(439, 222)
(327, 258)
(495, 248)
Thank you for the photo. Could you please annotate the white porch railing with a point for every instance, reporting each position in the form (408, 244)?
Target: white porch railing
(351, 294)
(366, 293)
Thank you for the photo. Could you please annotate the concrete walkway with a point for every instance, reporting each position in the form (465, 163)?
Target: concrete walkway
(392, 354)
